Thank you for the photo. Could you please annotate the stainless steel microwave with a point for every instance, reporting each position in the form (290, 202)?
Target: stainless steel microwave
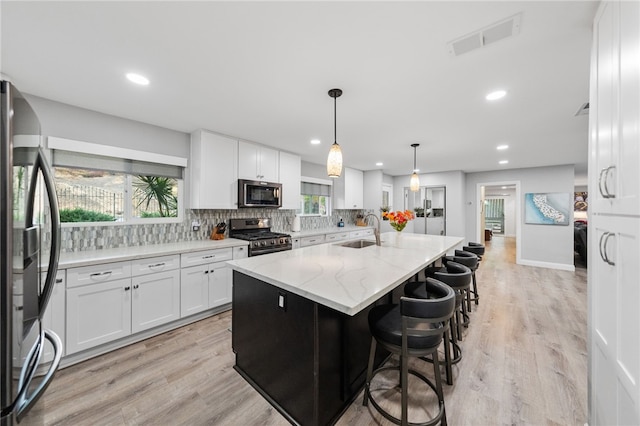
(254, 193)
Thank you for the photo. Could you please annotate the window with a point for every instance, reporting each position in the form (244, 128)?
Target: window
(315, 198)
(98, 188)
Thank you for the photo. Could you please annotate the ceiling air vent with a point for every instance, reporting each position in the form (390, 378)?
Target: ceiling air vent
(583, 110)
(490, 34)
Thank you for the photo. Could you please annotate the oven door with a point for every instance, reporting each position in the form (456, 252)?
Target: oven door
(259, 194)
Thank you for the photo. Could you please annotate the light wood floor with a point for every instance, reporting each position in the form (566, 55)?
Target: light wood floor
(524, 362)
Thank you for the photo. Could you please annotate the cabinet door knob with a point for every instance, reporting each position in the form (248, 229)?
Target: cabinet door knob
(135, 287)
(127, 288)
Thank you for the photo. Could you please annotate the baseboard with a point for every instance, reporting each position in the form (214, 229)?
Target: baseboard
(548, 265)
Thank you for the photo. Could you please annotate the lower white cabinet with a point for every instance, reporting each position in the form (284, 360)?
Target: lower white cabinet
(207, 284)
(155, 299)
(312, 240)
(97, 314)
(338, 236)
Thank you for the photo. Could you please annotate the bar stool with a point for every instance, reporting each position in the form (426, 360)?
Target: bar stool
(458, 277)
(415, 327)
(471, 261)
(478, 250)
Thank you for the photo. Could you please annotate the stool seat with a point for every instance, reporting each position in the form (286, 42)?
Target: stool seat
(385, 323)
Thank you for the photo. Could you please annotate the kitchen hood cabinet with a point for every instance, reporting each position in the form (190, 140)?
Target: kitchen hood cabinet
(257, 162)
(213, 171)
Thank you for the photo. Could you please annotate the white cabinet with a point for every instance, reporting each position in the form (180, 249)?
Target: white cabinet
(296, 242)
(54, 315)
(110, 301)
(257, 162)
(312, 240)
(615, 340)
(349, 192)
(614, 215)
(361, 234)
(614, 110)
(155, 292)
(338, 236)
(240, 252)
(97, 314)
(213, 171)
(290, 175)
(205, 280)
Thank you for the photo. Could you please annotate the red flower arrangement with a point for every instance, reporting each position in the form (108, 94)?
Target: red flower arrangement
(398, 219)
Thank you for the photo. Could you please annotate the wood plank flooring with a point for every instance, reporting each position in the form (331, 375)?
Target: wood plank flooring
(524, 362)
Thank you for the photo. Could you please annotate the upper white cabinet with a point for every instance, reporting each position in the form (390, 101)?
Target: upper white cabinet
(290, 174)
(214, 171)
(614, 111)
(349, 191)
(257, 162)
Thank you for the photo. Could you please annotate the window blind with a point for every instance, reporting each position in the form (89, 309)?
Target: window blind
(78, 160)
(308, 188)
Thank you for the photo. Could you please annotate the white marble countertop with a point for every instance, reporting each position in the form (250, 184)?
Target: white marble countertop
(94, 257)
(348, 279)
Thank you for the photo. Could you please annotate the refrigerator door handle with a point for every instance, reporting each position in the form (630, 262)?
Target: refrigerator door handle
(26, 402)
(54, 254)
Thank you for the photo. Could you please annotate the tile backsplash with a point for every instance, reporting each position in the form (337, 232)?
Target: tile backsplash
(81, 238)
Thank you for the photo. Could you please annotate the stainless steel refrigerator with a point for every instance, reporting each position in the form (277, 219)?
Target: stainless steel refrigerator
(29, 251)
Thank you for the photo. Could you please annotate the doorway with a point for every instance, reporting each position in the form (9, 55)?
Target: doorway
(429, 206)
(499, 213)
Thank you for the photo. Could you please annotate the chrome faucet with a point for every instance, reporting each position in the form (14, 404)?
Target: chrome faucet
(376, 231)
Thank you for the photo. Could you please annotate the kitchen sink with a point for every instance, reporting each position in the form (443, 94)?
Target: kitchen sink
(357, 244)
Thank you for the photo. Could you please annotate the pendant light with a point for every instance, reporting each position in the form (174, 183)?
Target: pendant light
(334, 161)
(415, 180)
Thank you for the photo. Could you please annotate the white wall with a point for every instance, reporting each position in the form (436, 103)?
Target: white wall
(70, 122)
(538, 245)
(373, 190)
(454, 182)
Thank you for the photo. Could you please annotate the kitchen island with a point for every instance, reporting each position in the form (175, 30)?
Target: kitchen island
(300, 330)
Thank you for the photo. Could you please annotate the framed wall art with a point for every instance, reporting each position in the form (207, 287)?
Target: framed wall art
(547, 208)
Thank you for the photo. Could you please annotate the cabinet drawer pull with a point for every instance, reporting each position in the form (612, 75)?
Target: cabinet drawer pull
(58, 280)
(100, 275)
(157, 265)
(209, 256)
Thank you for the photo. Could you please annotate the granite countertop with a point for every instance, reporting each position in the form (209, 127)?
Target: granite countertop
(348, 279)
(94, 257)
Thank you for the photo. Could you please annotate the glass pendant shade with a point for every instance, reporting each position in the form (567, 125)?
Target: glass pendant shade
(415, 182)
(414, 185)
(334, 161)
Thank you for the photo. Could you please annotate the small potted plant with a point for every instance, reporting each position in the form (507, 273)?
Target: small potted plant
(419, 211)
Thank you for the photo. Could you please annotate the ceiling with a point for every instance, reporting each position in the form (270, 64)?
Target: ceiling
(260, 71)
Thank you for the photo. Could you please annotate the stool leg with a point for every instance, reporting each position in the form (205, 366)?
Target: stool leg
(404, 373)
(372, 355)
(475, 288)
(436, 372)
(447, 357)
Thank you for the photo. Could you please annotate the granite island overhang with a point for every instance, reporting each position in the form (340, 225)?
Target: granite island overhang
(300, 331)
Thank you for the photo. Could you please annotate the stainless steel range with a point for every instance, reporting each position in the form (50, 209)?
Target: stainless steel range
(258, 232)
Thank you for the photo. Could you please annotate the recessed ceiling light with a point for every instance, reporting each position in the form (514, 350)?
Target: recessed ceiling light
(504, 162)
(315, 141)
(138, 79)
(502, 147)
(496, 95)
(504, 187)
(378, 164)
